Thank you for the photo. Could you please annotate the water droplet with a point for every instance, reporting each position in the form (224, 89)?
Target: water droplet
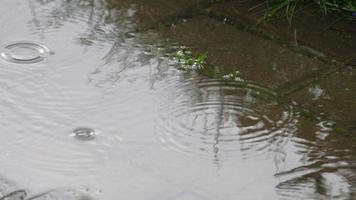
(24, 52)
(84, 133)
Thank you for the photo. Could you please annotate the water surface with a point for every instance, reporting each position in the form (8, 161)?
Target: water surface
(147, 130)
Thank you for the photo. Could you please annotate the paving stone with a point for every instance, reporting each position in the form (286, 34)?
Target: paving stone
(259, 60)
(147, 13)
(333, 97)
(328, 36)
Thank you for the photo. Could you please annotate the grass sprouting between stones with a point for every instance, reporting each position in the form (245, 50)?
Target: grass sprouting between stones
(289, 8)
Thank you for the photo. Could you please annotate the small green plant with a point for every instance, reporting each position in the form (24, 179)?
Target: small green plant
(346, 132)
(188, 62)
(233, 76)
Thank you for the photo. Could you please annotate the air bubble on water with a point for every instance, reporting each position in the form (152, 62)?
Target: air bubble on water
(83, 133)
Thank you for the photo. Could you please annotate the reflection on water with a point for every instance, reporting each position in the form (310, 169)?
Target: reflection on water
(224, 118)
(159, 133)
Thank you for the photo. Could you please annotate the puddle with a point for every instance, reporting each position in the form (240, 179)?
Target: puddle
(155, 132)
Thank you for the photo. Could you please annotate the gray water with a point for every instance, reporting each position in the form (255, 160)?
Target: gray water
(90, 110)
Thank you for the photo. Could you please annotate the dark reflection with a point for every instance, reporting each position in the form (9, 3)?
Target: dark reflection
(65, 194)
(327, 168)
(102, 25)
(11, 191)
(15, 195)
(93, 13)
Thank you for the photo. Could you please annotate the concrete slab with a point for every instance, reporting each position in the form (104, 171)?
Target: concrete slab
(259, 60)
(333, 97)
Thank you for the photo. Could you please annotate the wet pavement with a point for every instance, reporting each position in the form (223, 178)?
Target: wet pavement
(93, 106)
(333, 97)
(258, 60)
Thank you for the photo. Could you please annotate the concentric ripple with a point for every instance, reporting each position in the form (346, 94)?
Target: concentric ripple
(224, 119)
(24, 52)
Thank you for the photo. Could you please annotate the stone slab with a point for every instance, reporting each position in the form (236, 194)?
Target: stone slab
(258, 60)
(328, 36)
(333, 97)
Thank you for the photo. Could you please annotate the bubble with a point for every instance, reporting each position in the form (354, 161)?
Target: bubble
(84, 134)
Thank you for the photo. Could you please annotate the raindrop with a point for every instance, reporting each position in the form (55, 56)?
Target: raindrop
(24, 52)
(84, 133)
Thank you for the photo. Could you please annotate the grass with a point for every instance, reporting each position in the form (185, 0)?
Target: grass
(346, 132)
(288, 8)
